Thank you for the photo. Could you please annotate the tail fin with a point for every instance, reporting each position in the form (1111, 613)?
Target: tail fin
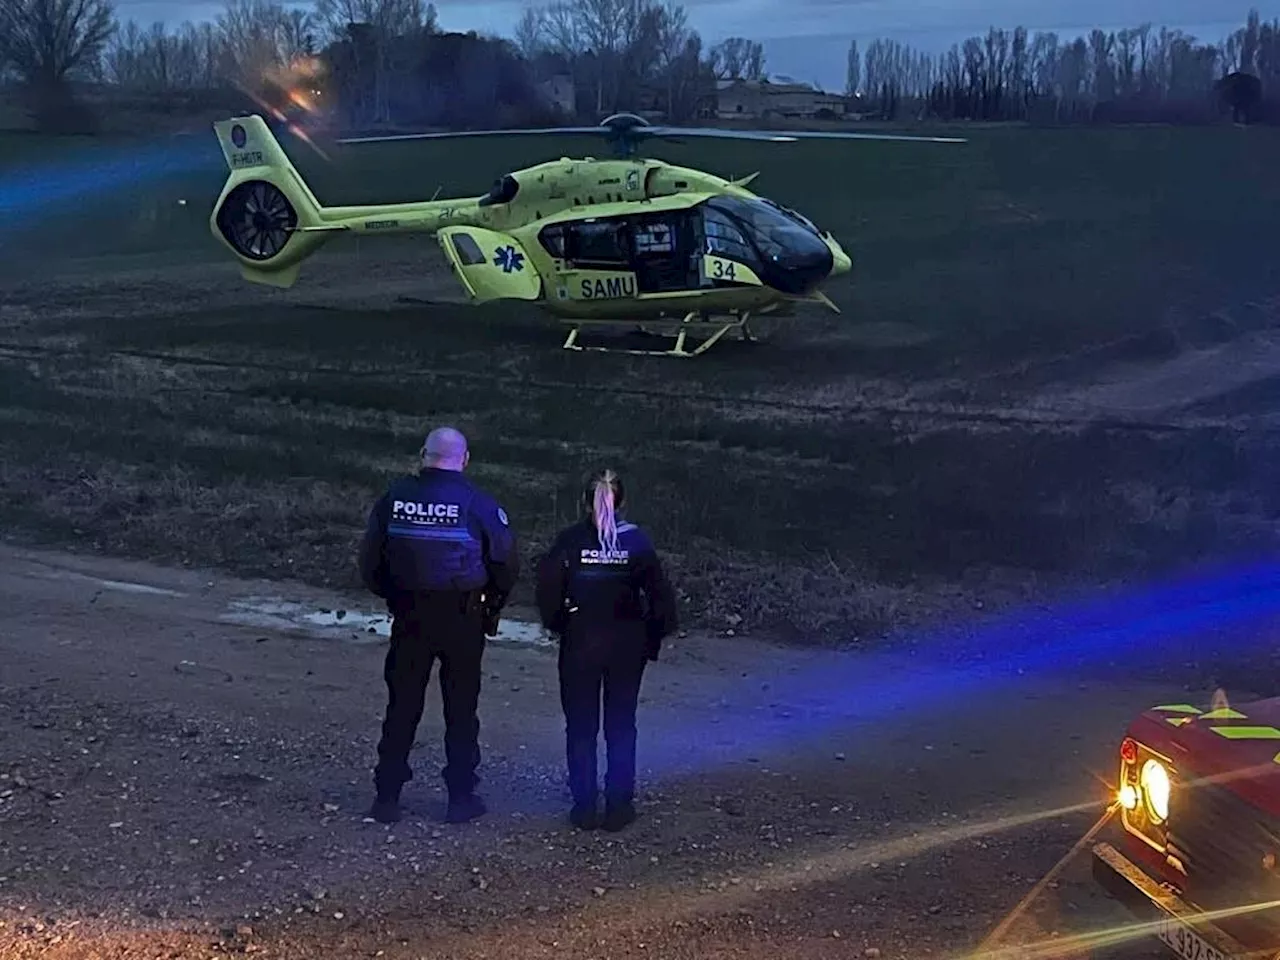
(266, 215)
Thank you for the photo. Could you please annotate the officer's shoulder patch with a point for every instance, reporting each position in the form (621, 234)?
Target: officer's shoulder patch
(502, 517)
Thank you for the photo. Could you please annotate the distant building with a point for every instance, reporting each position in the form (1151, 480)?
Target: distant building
(754, 100)
(696, 102)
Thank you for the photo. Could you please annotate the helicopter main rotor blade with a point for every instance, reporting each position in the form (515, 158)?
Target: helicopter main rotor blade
(451, 134)
(788, 136)
(641, 130)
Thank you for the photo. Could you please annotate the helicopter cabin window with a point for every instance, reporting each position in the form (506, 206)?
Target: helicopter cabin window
(596, 241)
(552, 240)
(469, 252)
(662, 253)
(654, 238)
(724, 238)
(504, 190)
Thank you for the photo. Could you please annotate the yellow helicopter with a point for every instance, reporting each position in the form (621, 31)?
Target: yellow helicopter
(595, 242)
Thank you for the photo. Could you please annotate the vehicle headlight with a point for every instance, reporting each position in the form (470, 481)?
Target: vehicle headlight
(1144, 793)
(1156, 787)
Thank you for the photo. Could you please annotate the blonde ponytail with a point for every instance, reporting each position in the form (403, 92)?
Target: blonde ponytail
(604, 512)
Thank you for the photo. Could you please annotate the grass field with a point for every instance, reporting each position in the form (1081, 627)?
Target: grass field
(1051, 370)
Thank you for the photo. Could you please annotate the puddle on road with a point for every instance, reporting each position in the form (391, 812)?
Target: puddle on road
(354, 626)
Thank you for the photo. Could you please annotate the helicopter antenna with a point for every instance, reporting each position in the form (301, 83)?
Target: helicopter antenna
(437, 193)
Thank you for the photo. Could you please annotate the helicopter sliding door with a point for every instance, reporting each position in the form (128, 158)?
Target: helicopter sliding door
(591, 259)
(626, 256)
(491, 265)
(662, 248)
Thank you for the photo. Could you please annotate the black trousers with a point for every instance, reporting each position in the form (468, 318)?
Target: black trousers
(585, 675)
(428, 628)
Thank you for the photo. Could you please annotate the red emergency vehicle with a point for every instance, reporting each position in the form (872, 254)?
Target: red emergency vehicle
(1195, 846)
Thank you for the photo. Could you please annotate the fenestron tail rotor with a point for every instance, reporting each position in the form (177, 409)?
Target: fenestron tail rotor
(257, 219)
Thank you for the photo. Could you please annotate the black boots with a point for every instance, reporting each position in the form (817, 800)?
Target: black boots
(465, 808)
(385, 809)
(461, 809)
(617, 816)
(584, 816)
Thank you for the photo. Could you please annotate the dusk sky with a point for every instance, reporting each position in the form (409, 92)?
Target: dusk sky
(808, 42)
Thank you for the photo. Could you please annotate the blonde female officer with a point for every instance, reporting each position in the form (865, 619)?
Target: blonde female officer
(601, 587)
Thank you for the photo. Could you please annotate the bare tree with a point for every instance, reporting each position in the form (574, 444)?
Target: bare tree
(738, 59)
(1101, 48)
(995, 58)
(531, 32)
(48, 42)
(562, 28)
(689, 71)
(672, 50)
(1232, 48)
(388, 18)
(607, 29)
(1042, 65)
(297, 33)
(853, 70)
(1126, 56)
(628, 53)
(158, 61)
(373, 26)
(1249, 44)
(122, 60)
(251, 33)
(204, 53)
(606, 40)
(1017, 82)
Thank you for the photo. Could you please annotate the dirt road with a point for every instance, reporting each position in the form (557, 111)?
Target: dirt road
(177, 784)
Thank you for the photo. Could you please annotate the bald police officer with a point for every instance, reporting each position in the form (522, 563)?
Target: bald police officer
(441, 552)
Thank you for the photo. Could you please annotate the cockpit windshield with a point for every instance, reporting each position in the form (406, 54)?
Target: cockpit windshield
(774, 233)
(784, 249)
(794, 215)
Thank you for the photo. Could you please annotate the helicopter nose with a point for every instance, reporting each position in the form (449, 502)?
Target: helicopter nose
(841, 262)
(802, 268)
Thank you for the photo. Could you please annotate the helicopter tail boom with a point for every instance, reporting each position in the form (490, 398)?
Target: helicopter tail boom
(269, 218)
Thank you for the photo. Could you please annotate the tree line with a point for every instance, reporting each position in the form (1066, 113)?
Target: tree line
(366, 64)
(1140, 74)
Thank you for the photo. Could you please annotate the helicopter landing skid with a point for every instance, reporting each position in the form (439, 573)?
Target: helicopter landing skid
(719, 327)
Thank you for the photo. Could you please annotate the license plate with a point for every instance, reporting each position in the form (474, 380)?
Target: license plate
(1186, 943)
